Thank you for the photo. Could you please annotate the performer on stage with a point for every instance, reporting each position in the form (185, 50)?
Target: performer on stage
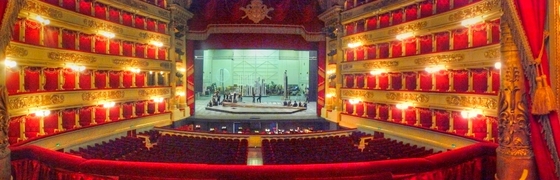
(258, 91)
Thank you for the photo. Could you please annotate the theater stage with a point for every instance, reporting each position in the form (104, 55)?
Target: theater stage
(270, 109)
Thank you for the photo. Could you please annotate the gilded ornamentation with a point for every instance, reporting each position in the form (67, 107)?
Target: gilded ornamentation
(153, 92)
(421, 98)
(256, 11)
(476, 10)
(93, 96)
(380, 64)
(102, 26)
(347, 66)
(165, 65)
(408, 28)
(154, 37)
(4, 119)
(358, 38)
(15, 51)
(71, 57)
(33, 101)
(357, 94)
(472, 101)
(135, 4)
(131, 62)
(437, 59)
(43, 10)
(491, 54)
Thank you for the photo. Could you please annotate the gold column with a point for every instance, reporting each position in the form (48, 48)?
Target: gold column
(121, 111)
(488, 129)
(133, 79)
(434, 121)
(403, 81)
(365, 81)
(377, 111)
(121, 79)
(390, 81)
(94, 108)
(470, 76)
(451, 81)
(451, 122)
(93, 79)
(403, 114)
(156, 79)
(133, 110)
(364, 114)
(22, 128)
(77, 118)
(22, 79)
(470, 37)
(166, 101)
(489, 81)
(145, 108)
(451, 39)
(42, 126)
(60, 79)
(434, 81)
(77, 80)
(344, 107)
(107, 84)
(59, 121)
(418, 80)
(390, 114)
(514, 154)
(377, 81)
(354, 111)
(469, 127)
(417, 111)
(107, 114)
(145, 79)
(355, 81)
(42, 79)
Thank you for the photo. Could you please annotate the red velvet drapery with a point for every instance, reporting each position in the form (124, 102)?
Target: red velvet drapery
(85, 7)
(51, 37)
(68, 119)
(51, 79)
(68, 39)
(16, 30)
(32, 32)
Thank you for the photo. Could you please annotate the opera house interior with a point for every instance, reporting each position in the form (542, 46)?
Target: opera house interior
(279, 89)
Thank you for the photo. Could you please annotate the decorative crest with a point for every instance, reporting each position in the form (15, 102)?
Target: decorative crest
(256, 11)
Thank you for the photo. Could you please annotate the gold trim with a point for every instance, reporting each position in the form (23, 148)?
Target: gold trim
(71, 57)
(471, 101)
(16, 51)
(492, 54)
(33, 101)
(131, 62)
(357, 94)
(437, 59)
(408, 28)
(380, 64)
(255, 29)
(42, 9)
(474, 11)
(93, 96)
(153, 92)
(407, 97)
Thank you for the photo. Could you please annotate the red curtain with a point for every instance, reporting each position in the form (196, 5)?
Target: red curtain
(100, 44)
(370, 110)
(140, 50)
(349, 55)
(460, 80)
(480, 77)
(162, 27)
(139, 108)
(85, 79)
(12, 76)
(384, 20)
(69, 79)
(425, 44)
(139, 22)
(151, 107)
(383, 81)
(100, 114)
(371, 52)
(114, 79)
(383, 50)
(425, 81)
(371, 81)
(32, 78)
(410, 81)
(350, 28)
(100, 79)
(150, 24)
(161, 106)
(410, 116)
(442, 41)
(360, 26)
(126, 18)
(460, 3)
(496, 80)
(479, 127)
(32, 126)
(114, 47)
(460, 39)
(479, 35)
(495, 25)
(425, 117)
(426, 8)
(100, 11)
(411, 12)
(68, 119)
(151, 51)
(161, 3)
(383, 112)
(360, 53)
(68, 39)
(140, 79)
(349, 80)
(127, 48)
(397, 16)
(114, 113)
(114, 15)
(69, 4)
(85, 116)
(349, 4)
(396, 48)
(32, 32)
(51, 37)
(127, 79)
(127, 110)
(442, 120)
(85, 42)
(442, 80)
(396, 113)
(14, 130)
(371, 23)
(51, 123)
(360, 80)
(85, 7)
(17, 30)
(51, 79)
(162, 53)
(460, 124)
(410, 46)
(442, 6)
(396, 81)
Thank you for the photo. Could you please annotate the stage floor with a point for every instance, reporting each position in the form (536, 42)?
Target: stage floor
(262, 113)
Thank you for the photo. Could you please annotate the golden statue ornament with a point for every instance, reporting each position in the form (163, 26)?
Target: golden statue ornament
(256, 11)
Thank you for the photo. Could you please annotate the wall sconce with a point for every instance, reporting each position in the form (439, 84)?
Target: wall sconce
(158, 100)
(156, 43)
(135, 70)
(354, 45)
(498, 65)
(180, 93)
(353, 101)
(329, 72)
(151, 72)
(76, 67)
(377, 71)
(42, 20)
(433, 69)
(471, 113)
(472, 21)
(403, 106)
(108, 104)
(42, 113)
(161, 72)
(106, 34)
(404, 36)
(10, 63)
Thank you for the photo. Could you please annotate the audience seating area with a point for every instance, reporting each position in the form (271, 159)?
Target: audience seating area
(112, 150)
(336, 149)
(187, 149)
